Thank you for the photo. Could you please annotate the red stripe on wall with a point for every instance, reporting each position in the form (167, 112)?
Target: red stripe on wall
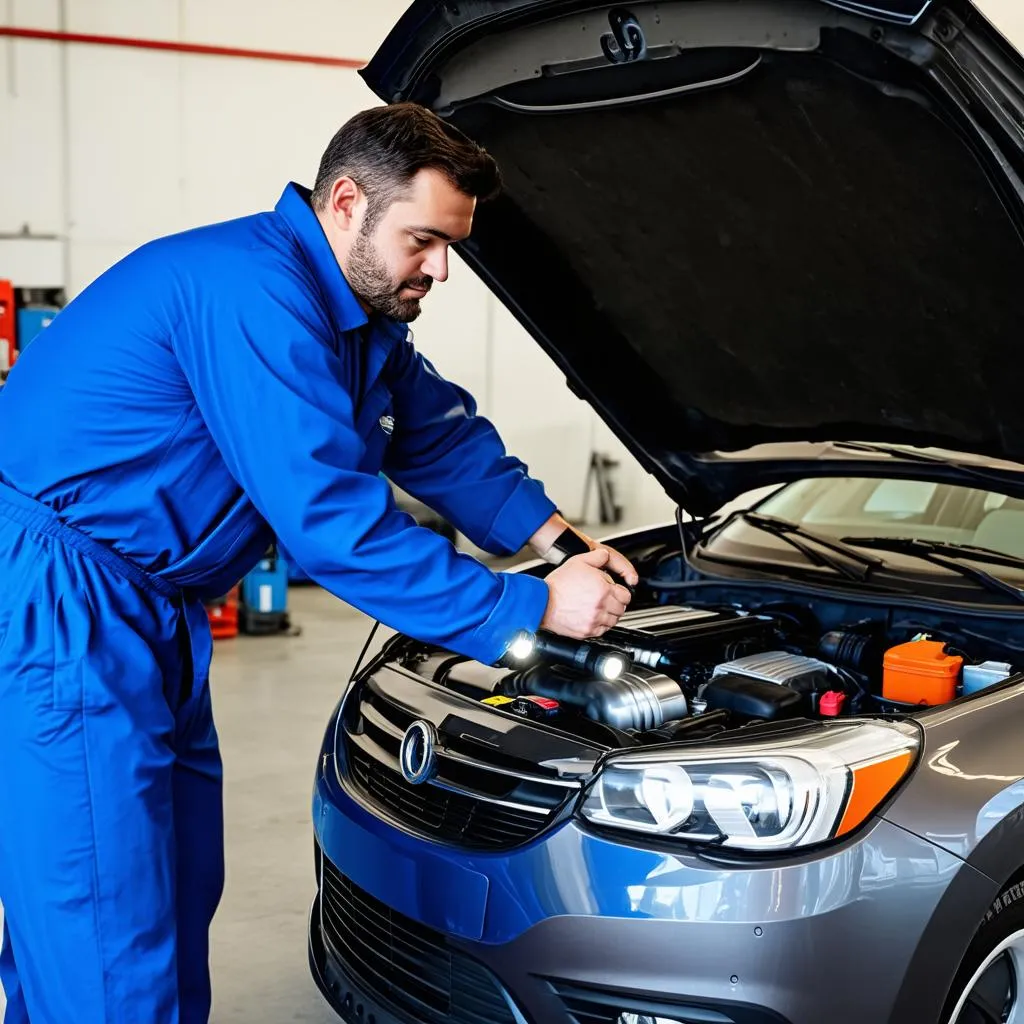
(166, 45)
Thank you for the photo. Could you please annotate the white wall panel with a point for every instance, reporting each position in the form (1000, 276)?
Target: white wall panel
(87, 260)
(152, 19)
(32, 178)
(541, 421)
(647, 502)
(249, 127)
(1007, 16)
(32, 263)
(453, 331)
(124, 120)
(35, 13)
(330, 28)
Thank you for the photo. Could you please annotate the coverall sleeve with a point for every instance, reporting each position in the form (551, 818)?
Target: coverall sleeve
(453, 460)
(270, 388)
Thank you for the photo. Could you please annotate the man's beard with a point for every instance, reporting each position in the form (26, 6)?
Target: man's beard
(368, 277)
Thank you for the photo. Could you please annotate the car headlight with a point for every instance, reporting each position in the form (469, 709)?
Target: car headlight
(775, 793)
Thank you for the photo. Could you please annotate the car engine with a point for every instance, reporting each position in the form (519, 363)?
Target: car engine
(666, 670)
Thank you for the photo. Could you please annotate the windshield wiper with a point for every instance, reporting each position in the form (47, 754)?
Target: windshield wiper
(949, 557)
(842, 557)
(979, 554)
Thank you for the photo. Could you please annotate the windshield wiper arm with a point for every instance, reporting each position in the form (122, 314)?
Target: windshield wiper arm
(948, 556)
(852, 564)
(979, 554)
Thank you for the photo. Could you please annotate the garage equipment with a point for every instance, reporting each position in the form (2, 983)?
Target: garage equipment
(36, 308)
(223, 615)
(8, 352)
(263, 607)
(600, 474)
(24, 313)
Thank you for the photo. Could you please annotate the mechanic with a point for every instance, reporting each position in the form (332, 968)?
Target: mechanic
(212, 390)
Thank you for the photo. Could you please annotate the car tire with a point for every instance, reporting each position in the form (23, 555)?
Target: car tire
(991, 976)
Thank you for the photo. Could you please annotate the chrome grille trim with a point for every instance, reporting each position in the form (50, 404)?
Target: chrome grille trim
(378, 754)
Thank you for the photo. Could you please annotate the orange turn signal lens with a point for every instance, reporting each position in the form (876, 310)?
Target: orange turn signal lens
(872, 783)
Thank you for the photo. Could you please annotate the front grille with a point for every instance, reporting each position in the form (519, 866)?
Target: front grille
(588, 1007)
(477, 801)
(441, 813)
(406, 966)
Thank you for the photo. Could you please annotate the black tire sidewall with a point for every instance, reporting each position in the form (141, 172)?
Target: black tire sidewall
(1004, 917)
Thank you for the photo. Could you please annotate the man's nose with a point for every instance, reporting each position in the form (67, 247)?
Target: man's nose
(436, 265)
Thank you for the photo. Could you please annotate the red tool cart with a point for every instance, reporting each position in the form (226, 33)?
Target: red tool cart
(223, 614)
(8, 351)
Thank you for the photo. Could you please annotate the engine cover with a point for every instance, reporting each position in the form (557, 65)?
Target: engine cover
(800, 673)
(670, 637)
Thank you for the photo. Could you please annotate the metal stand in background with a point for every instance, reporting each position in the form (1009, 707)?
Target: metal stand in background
(263, 603)
(599, 473)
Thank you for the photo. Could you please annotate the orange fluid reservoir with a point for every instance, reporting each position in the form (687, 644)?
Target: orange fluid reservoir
(920, 672)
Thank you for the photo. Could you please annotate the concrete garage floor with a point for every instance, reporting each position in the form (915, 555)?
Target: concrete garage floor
(272, 697)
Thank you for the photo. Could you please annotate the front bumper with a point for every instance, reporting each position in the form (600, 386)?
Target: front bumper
(345, 996)
(577, 927)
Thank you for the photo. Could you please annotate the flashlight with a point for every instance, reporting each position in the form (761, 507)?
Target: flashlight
(522, 647)
(587, 655)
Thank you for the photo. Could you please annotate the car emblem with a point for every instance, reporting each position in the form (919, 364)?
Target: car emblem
(387, 424)
(417, 755)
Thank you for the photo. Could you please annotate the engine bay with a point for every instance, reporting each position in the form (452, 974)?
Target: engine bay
(678, 671)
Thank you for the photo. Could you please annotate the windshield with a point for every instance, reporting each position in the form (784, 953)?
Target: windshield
(851, 507)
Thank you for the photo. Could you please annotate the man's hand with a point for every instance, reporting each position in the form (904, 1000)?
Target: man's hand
(546, 536)
(582, 599)
(617, 563)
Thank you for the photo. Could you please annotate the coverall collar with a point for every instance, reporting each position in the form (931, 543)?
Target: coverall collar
(294, 207)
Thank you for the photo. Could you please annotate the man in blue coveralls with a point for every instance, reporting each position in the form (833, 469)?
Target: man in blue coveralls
(212, 389)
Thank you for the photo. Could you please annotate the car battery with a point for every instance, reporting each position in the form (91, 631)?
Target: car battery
(264, 596)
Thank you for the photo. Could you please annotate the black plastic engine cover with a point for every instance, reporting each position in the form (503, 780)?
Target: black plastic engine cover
(752, 698)
(684, 635)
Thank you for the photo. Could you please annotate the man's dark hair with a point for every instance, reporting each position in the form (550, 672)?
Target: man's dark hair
(383, 148)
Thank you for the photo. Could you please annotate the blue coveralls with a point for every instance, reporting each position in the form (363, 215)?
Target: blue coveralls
(212, 388)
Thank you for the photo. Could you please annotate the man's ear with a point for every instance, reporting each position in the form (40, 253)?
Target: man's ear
(343, 204)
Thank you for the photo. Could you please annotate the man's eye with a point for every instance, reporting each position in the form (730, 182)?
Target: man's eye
(420, 242)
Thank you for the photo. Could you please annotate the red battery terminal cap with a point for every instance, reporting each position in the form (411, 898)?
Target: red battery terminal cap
(544, 702)
(831, 703)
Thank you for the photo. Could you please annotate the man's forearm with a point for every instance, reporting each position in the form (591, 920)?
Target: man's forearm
(545, 537)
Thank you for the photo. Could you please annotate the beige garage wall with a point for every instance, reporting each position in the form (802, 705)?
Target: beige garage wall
(1007, 16)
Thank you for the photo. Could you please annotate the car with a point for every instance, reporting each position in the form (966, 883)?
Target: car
(778, 247)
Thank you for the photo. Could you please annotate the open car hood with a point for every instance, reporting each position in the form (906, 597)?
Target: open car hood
(746, 228)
